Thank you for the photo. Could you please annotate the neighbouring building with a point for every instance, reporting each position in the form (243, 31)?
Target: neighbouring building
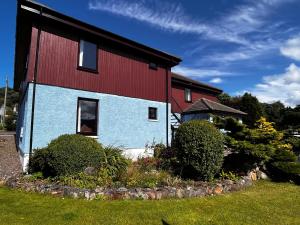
(193, 100)
(76, 78)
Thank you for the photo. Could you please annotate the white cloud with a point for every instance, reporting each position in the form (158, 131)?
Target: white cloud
(172, 17)
(283, 87)
(291, 48)
(216, 80)
(199, 72)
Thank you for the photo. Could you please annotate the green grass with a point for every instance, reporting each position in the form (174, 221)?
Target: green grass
(265, 203)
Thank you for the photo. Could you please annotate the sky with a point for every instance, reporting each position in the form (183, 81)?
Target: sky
(236, 45)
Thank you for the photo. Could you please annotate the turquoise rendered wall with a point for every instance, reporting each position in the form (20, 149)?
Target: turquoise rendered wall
(122, 121)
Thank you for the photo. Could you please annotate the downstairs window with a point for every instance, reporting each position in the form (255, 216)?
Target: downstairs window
(87, 116)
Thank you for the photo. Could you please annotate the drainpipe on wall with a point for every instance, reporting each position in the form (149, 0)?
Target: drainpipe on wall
(167, 107)
(34, 84)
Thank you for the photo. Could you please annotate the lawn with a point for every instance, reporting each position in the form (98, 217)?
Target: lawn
(264, 203)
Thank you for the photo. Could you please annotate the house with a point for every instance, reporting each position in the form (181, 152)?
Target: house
(77, 78)
(192, 100)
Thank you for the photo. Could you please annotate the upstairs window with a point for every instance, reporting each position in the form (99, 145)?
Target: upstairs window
(87, 55)
(87, 116)
(152, 113)
(153, 66)
(188, 95)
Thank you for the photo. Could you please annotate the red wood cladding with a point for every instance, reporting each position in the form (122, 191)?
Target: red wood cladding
(117, 74)
(178, 100)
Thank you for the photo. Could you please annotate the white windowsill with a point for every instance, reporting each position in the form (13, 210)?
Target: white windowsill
(150, 120)
(95, 137)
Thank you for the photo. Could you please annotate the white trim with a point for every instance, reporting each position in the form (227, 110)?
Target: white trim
(135, 153)
(81, 46)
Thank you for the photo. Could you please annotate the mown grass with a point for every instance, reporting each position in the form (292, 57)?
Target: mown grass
(264, 203)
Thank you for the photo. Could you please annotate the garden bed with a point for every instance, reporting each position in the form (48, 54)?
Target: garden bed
(193, 189)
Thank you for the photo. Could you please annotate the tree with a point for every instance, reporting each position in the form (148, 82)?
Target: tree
(12, 97)
(274, 112)
(291, 119)
(233, 102)
(250, 105)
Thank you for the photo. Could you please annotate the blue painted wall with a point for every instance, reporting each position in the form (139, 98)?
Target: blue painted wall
(23, 121)
(123, 121)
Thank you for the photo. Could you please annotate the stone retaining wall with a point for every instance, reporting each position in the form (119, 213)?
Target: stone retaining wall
(199, 189)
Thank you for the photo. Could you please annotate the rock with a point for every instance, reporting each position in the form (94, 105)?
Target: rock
(262, 175)
(218, 190)
(159, 195)
(90, 171)
(151, 195)
(99, 190)
(74, 195)
(92, 196)
(179, 193)
(122, 189)
(252, 175)
(87, 195)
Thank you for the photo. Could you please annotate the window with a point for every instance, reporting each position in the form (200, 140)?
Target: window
(87, 55)
(188, 95)
(87, 116)
(152, 113)
(153, 66)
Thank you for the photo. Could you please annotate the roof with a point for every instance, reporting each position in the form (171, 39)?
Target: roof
(188, 81)
(206, 105)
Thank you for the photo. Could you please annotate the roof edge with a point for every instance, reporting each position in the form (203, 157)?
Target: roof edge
(189, 81)
(35, 7)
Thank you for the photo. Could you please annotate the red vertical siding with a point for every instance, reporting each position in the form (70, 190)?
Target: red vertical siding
(117, 74)
(31, 60)
(178, 99)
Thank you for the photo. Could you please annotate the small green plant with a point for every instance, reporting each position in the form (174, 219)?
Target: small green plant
(35, 176)
(135, 177)
(82, 180)
(147, 163)
(229, 176)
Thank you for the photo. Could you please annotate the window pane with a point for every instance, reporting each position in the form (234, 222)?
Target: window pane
(88, 55)
(152, 113)
(87, 117)
(153, 66)
(188, 96)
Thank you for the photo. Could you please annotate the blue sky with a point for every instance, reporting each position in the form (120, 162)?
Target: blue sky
(237, 45)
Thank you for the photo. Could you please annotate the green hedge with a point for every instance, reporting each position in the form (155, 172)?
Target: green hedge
(199, 148)
(66, 155)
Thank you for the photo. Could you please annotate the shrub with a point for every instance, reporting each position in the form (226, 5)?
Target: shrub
(199, 149)
(284, 156)
(39, 162)
(147, 163)
(114, 162)
(238, 163)
(229, 176)
(82, 180)
(166, 158)
(295, 142)
(134, 177)
(68, 155)
(285, 171)
(10, 122)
